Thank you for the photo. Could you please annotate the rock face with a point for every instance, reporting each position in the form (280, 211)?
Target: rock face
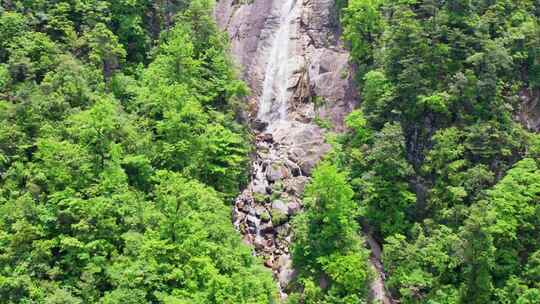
(529, 113)
(316, 60)
(290, 55)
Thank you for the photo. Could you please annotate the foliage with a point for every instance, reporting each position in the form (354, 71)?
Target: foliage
(327, 245)
(118, 150)
(443, 174)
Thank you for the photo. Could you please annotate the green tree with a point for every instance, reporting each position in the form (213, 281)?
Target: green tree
(362, 26)
(31, 55)
(104, 49)
(479, 254)
(326, 239)
(115, 159)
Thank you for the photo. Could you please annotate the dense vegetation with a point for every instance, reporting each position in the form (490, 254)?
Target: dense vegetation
(328, 252)
(443, 174)
(118, 148)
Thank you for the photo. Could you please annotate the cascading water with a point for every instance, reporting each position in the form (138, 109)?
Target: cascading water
(290, 52)
(262, 211)
(273, 103)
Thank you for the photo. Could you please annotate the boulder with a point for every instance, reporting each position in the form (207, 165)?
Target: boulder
(310, 158)
(266, 227)
(293, 168)
(259, 125)
(283, 230)
(293, 207)
(252, 221)
(280, 206)
(258, 187)
(268, 137)
(245, 207)
(276, 171)
(238, 217)
(259, 242)
(286, 271)
(269, 263)
(295, 186)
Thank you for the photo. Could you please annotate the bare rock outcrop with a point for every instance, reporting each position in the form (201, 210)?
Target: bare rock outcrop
(280, 169)
(529, 113)
(317, 57)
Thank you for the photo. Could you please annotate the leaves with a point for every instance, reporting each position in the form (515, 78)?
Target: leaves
(441, 170)
(326, 243)
(115, 161)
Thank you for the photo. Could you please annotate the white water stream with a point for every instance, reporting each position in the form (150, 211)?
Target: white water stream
(273, 105)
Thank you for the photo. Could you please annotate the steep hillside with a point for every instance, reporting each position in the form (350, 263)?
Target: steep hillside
(449, 93)
(119, 153)
(270, 151)
(302, 87)
(441, 153)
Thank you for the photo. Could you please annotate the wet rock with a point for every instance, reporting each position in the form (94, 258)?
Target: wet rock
(259, 125)
(314, 39)
(252, 221)
(243, 203)
(266, 227)
(240, 204)
(238, 217)
(293, 208)
(245, 208)
(276, 171)
(267, 137)
(280, 206)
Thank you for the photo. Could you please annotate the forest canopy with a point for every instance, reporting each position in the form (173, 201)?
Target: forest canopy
(444, 173)
(119, 153)
(121, 150)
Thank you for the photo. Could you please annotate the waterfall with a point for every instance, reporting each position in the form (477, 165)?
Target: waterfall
(279, 42)
(274, 99)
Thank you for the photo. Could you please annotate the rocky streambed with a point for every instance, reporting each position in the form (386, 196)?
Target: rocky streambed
(291, 56)
(283, 161)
